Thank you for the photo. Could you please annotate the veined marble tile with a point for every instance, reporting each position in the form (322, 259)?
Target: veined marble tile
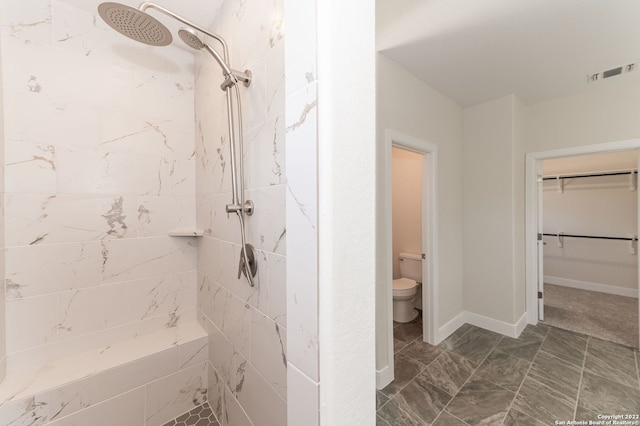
(261, 402)
(264, 154)
(91, 171)
(268, 351)
(37, 219)
(94, 389)
(215, 394)
(227, 226)
(27, 20)
(210, 258)
(42, 68)
(272, 228)
(120, 131)
(130, 259)
(97, 308)
(254, 97)
(277, 288)
(158, 215)
(303, 404)
(301, 221)
(30, 411)
(221, 166)
(275, 79)
(263, 18)
(234, 413)
(232, 316)
(31, 322)
(30, 168)
(163, 97)
(50, 118)
(193, 353)
(205, 296)
(50, 268)
(105, 339)
(222, 355)
(300, 53)
(175, 394)
(182, 177)
(204, 214)
(125, 409)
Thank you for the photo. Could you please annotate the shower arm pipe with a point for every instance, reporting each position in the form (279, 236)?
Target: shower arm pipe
(246, 79)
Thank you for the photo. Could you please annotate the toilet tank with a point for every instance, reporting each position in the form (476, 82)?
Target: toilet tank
(411, 266)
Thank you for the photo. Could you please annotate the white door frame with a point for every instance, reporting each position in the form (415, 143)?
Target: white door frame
(429, 239)
(531, 210)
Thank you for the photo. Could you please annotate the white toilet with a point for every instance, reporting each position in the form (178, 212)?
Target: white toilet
(405, 288)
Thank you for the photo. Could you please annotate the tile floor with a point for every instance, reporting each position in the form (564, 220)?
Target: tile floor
(477, 377)
(199, 416)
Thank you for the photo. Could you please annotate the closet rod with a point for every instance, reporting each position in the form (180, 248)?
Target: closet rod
(583, 175)
(591, 236)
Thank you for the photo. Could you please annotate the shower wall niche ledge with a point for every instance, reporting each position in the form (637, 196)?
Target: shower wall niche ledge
(186, 232)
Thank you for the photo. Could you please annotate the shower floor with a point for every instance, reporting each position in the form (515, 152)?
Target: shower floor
(202, 415)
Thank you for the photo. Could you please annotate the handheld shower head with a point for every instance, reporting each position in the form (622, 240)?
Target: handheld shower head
(135, 24)
(193, 40)
(190, 38)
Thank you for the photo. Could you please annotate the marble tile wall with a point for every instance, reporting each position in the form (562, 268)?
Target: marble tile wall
(302, 221)
(3, 351)
(145, 381)
(99, 165)
(246, 325)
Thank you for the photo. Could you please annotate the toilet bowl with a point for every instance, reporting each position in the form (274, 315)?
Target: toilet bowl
(404, 294)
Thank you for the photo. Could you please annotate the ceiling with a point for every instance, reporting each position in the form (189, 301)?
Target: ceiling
(473, 51)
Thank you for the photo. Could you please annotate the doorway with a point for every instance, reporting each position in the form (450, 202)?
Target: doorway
(579, 260)
(427, 155)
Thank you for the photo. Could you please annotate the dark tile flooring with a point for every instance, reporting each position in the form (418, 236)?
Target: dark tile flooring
(199, 416)
(477, 377)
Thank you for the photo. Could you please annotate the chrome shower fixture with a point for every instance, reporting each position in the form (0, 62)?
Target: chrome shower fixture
(135, 24)
(139, 26)
(190, 37)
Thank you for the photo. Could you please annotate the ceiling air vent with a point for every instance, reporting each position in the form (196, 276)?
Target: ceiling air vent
(612, 72)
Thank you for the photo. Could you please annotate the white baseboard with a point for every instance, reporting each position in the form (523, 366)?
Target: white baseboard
(586, 285)
(491, 324)
(497, 326)
(383, 377)
(451, 326)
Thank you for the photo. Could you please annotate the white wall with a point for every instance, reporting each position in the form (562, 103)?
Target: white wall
(407, 105)
(346, 211)
(604, 114)
(488, 204)
(247, 326)
(407, 204)
(3, 325)
(98, 167)
(602, 206)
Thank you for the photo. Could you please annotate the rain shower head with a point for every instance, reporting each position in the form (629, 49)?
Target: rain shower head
(135, 24)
